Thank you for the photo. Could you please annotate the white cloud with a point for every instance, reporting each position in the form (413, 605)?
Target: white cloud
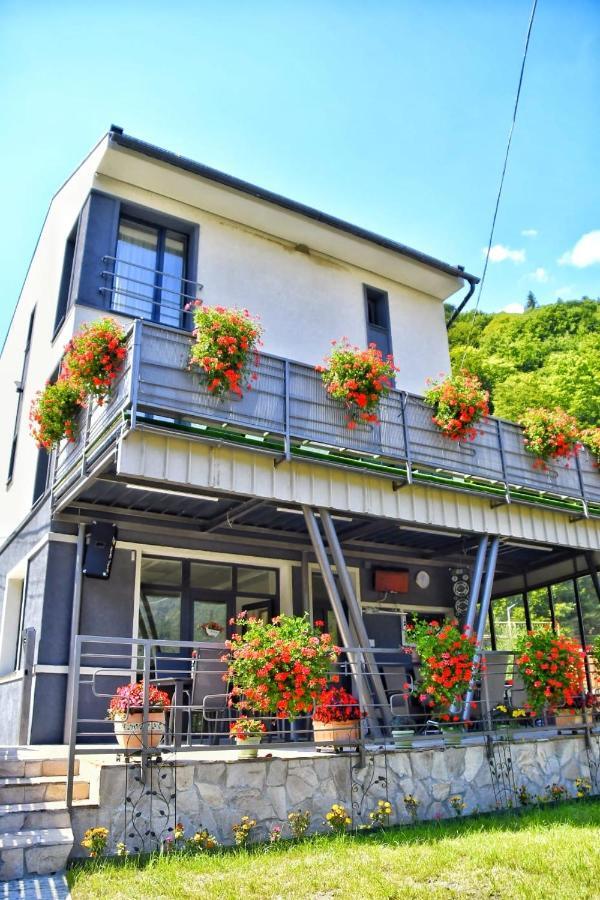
(530, 232)
(566, 292)
(586, 251)
(540, 275)
(514, 308)
(500, 253)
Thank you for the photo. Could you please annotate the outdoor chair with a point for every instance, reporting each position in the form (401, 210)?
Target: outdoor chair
(207, 699)
(395, 678)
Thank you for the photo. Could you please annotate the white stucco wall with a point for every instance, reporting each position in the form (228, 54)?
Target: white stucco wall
(40, 290)
(305, 299)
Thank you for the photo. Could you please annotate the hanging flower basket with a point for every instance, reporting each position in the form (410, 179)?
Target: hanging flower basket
(358, 379)
(53, 413)
(94, 357)
(590, 438)
(550, 434)
(225, 348)
(459, 402)
(552, 668)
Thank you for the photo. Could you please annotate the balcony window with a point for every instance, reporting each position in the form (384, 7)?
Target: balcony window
(150, 272)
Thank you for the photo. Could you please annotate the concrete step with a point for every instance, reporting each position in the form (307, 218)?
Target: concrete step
(20, 766)
(39, 852)
(30, 789)
(27, 816)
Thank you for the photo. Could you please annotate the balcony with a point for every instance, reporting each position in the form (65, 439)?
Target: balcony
(289, 415)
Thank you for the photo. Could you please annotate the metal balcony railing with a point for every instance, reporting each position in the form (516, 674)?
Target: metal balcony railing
(289, 413)
(152, 294)
(199, 715)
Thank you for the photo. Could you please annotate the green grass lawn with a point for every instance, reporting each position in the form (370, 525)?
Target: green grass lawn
(543, 853)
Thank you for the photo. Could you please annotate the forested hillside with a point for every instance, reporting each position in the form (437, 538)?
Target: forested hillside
(548, 356)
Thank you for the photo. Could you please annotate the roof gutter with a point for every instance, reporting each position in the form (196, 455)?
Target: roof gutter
(472, 282)
(117, 137)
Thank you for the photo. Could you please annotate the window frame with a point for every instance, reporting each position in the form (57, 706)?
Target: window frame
(190, 595)
(20, 387)
(162, 227)
(384, 329)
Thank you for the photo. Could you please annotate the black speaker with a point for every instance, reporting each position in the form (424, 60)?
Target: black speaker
(100, 549)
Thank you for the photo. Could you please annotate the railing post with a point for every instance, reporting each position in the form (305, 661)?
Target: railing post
(581, 486)
(134, 372)
(146, 711)
(502, 459)
(86, 434)
(286, 376)
(406, 435)
(76, 667)
(28, 657)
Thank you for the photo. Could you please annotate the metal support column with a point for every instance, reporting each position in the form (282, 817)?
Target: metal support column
(484, 608)
(75, 616)
(581, 623)
(476, 582)
(593, 571)
(336, 605)
(356, 618)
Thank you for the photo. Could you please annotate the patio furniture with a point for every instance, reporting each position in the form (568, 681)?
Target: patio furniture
(494, 682)
(395, 678)
(208, 695)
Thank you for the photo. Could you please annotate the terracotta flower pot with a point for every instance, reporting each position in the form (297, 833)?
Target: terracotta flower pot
(345, 732)
(128, 730)
(568, 720)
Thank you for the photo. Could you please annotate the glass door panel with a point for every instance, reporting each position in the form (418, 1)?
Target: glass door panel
(210, 620)
(173, 268)
(135, 269)
(160, 617)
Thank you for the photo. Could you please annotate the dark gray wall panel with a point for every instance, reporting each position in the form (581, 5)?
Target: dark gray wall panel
(48, 719)
(53, 643)
(97, 237)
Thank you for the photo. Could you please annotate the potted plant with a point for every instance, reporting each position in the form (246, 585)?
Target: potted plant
(552, 668)
(507, 717)
(212, 629)
(550, 434)
(358, 379)
(447, 665)
(403, 737)
(247, 734)
(459, 402)
(54, 411)
(126, 711)
(280, 667)
(94, 357)
(590, 438)
(337, 716)
(226, 342)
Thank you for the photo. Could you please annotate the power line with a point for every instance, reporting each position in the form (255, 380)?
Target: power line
(501, 185)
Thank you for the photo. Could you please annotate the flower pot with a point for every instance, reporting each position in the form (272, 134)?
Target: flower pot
(345, 732)
(403, 738)
(568, 720)
(212, 632)
(128, 730)
(453, 738)
(248, 747)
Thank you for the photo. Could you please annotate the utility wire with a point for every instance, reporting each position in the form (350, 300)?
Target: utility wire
(501, 185)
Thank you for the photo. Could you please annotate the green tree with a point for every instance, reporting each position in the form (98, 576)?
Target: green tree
(531, 302)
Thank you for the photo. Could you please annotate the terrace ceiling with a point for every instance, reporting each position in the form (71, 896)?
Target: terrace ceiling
(254, 522)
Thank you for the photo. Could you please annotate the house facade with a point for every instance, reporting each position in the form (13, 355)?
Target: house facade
(266, 503)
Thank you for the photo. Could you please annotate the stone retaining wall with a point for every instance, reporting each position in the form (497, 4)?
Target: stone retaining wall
(216, 794)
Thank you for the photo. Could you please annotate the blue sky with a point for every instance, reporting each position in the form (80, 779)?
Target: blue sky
(393, 115)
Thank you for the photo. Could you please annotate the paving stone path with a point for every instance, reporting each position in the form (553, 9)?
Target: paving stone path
(36, 887)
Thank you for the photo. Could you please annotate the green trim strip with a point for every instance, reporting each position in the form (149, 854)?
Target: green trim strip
(466, 484)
